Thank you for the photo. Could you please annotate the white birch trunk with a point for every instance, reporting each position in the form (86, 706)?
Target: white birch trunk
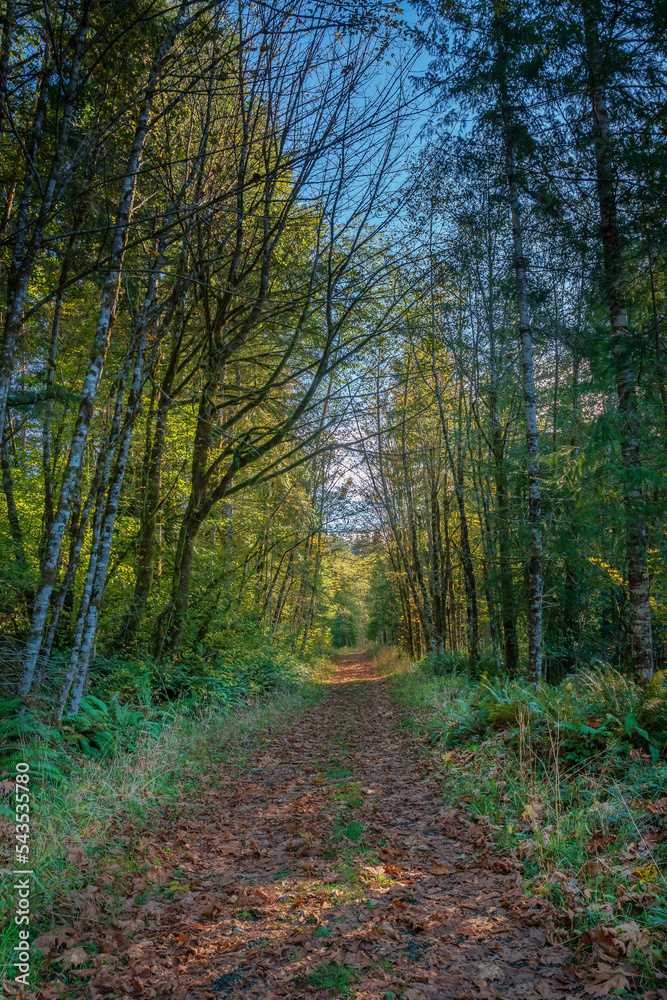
(91, 382)
(23, 264)
(535, 577)
(92, 611)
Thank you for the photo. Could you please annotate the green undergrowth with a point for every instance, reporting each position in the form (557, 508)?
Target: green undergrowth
(76, 798)
(331, 976)
(132, 700)
(572, 781)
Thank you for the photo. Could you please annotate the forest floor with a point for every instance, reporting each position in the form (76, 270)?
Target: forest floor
(330, 868)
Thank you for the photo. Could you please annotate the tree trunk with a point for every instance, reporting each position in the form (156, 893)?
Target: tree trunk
(472, 615)
(115, 487)
(93, 375)
(150, 508)
(12, 513)
(641, 638)
(26, 249)
(313, 593)
(417, 569)
(535, 576)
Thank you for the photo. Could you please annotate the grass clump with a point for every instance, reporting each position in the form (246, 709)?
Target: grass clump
(388, 660)
(337, 773)
(331, 976)
(352, 831)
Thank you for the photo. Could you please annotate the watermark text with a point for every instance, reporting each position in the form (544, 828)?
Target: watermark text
(22, 872)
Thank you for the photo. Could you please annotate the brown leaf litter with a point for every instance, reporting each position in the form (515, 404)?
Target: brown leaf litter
(250, 883)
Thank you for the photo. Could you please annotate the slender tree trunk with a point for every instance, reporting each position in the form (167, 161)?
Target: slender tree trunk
(659, 363)
(12, 513)
(488, 556)
(427, 622)
(437, 562)
(535, 572)
(173, 618)
(73, 665)
(93, 375)
(26, 249)
(78, 534)
(48, 459)
(641, 638)
(416, 591)
(104, 467)
(313, 593)
(554, 431)
(502, 505)
(8, 28)
(449, 575)
(114, 491)
(151, 507)
(472, 614)
(283, 592)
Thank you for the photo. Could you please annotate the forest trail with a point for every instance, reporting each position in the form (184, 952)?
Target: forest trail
(331, 869)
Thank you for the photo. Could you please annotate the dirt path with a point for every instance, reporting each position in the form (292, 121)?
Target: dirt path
(332, 867)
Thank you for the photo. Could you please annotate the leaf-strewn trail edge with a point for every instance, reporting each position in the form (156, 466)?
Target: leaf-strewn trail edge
(331, 868)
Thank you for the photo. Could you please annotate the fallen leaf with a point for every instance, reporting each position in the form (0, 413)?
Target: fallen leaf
(490, 971)
(73, 957)
(592, 868)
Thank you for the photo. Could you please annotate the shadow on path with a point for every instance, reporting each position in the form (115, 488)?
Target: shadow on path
(332, 869)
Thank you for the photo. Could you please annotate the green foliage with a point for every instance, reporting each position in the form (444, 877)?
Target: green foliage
(572, 799)
(128, 680)
(331, 976)
(101, 731)
(594, 711)
(17, 723)
(228, 679)
(444, 664)
(21, 727)
(343, 629)
(599, 710)
(351, 830)
(453, 663)
(653, 709)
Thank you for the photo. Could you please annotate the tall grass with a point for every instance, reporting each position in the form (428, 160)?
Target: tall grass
(388, 660)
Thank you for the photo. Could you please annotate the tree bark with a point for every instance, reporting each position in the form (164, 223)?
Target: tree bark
(535, 572)
(456, 465)
(93, 375)
(150, 507)
(12, 513)
(26, 249)
(641, 637)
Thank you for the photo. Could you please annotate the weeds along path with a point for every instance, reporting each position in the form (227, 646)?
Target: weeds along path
(331, 869)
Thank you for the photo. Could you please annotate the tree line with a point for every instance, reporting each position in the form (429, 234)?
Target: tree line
(519, 457)
(226, 272)
(194, 203)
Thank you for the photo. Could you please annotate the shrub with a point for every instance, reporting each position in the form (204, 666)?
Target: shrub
(443, 664)
(101, 731)
(652, 713)
(596, 710)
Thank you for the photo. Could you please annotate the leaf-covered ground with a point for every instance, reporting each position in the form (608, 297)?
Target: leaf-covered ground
(331, 868)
